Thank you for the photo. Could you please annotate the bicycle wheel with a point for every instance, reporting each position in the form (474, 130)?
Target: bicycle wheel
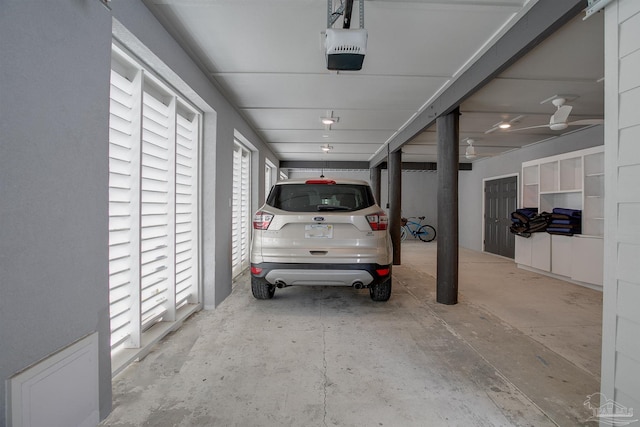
(426, 233)
(403, 233)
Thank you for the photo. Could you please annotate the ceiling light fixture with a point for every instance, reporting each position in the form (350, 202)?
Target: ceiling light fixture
(504, 124)
(326, 148)
(470, 152)
(329, 120)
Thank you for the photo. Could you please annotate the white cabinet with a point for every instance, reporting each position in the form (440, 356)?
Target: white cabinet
(572, 180)
(540, 254)
(534, 251)
(584, 250)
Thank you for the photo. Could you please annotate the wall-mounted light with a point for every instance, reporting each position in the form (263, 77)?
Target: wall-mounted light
(326, 148)
(504, 125)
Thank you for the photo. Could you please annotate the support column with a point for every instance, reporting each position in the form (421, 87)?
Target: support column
(448, 158)
(375, 174)
(395, 202)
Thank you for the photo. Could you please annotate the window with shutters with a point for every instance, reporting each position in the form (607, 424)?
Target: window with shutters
(269, 169)
(154, 139)
(240, 239)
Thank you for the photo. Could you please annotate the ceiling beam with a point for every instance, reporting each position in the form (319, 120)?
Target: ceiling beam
(323, 164)
(354, 165)
(542, 20)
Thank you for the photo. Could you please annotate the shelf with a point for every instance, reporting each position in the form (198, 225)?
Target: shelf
(560, 192)
(571, 173)
(549, 177)
(530, 175)
(594, 174)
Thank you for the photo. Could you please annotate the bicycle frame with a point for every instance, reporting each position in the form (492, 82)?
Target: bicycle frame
(413, 228)
(418, 230)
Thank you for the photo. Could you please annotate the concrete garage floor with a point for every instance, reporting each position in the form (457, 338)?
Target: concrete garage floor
(518, 349)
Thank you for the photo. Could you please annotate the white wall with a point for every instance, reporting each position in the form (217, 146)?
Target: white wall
(54, 88)
(419, 194)
(621, 317)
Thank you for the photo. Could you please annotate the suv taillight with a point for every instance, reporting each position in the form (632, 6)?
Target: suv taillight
(378, 221)
(261, 220)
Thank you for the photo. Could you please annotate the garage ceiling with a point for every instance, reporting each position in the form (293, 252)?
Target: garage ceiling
(267, 58)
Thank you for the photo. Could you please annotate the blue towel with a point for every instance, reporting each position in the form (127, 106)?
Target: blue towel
(575, 213)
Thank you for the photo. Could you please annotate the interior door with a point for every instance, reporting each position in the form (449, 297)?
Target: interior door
(500, 199)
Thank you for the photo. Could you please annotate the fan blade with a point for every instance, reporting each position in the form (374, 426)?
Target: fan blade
(493, 129)
(587, 122)
(530, 127)
(561, 115)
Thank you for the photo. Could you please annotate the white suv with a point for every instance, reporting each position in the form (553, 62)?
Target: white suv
(321, 232)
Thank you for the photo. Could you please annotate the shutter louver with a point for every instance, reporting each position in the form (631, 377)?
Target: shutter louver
(186, 256)
(154, 245)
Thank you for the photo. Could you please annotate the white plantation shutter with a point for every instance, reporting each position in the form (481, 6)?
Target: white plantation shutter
(268, 180)
(186, 247)
(240, 209)
(153, 203)
(155, 242)
(124, 226)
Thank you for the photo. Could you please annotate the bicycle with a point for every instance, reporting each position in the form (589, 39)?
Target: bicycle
(424, 232)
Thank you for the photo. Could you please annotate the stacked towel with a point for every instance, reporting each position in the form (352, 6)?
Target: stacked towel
(566, 222)
(527, 220)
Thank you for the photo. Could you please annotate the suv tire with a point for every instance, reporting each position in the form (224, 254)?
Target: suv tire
(261, 289)
(381, 291)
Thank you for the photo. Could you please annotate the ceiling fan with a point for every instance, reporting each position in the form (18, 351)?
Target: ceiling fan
(470, 152)
(559, 119)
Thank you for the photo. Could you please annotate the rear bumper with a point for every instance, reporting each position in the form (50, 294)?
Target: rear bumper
(294, 274)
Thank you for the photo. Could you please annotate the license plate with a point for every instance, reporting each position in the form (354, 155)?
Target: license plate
(318, 231)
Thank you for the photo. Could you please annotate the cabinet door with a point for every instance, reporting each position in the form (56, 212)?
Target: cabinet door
(523, 251)
(587, 259)
(541, 251)
(561, 258)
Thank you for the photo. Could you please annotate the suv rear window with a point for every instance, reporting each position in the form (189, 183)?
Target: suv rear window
(320, 197)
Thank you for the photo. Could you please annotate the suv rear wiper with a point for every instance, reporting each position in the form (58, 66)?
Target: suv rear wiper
(332, 208)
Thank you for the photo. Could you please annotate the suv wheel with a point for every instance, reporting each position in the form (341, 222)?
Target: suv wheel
(381, 291)
(261, 289)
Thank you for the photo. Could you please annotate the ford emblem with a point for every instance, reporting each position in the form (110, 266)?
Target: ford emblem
(318, 218)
